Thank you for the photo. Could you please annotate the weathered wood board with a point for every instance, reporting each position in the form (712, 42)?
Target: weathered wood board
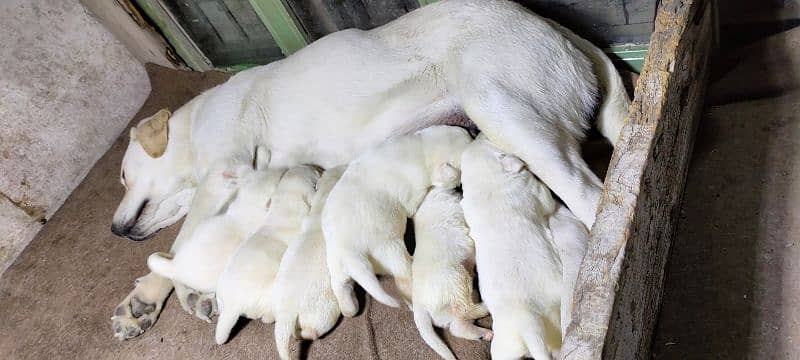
(604, 22)
(618, 293)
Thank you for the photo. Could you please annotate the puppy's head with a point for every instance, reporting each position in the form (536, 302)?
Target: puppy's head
(292, 199)
(158, 179)
(482, 160)
(446, 176)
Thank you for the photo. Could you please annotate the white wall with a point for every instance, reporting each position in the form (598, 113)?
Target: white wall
(67, 89)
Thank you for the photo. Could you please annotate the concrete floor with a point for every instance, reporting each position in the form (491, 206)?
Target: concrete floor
(733, 281)
(732, 288)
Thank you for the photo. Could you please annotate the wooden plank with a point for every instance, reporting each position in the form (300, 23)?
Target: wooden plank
(177, 37)
(280, 22)
(619, 287)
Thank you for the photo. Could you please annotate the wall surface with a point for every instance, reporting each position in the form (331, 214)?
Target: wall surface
(67, 89)
(127, 25)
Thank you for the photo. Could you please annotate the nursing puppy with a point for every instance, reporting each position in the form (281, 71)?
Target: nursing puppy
(245, 285)
(302, 294)
(365, 217)
(571, 238)
(442, 269)
(519, 269)
(200, 261)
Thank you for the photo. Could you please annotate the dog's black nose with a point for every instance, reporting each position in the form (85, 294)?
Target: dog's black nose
(122, 230)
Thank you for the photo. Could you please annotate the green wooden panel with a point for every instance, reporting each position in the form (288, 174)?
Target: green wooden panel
(281, 24)
(183, 44)
(632, 55)
(228, 32)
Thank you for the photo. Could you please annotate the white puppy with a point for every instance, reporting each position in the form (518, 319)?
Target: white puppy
(199, 263)
(302, 294)
(442, 269)
(571, 238)
(245, 285)
(365, 217)
(519, 268)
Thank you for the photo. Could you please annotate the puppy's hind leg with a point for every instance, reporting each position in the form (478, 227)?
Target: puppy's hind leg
(533, 334)
(285, 329)
(394, 258)
(465, 329)
(476, 311)
(342, 286)
(139, 310)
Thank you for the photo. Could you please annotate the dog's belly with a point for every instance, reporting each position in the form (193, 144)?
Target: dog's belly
(336, 141)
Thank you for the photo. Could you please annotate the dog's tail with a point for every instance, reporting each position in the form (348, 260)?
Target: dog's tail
(284, 330)
(225, 323)
(614, 108)
(161, 264)
(361, 271)
(425, 326)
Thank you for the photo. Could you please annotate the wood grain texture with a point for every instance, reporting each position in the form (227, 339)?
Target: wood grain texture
(618, 293)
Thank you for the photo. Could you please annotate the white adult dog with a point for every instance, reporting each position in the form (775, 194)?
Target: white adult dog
(529, 86)
(444, 260)
(364, 220)
(245, 286)
(519, 268)
(302, 294)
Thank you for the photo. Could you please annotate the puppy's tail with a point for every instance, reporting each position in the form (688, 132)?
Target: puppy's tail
(284, 330)
(226, 321)
(425, 326)
(361, 271)
(614, 108)
(161, 264)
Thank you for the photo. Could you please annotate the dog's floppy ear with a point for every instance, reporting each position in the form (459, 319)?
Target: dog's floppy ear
(511, 163)
(445, 176)
(152, 134)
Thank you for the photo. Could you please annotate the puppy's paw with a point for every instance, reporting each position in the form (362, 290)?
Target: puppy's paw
(201, 305)
(133, 316)
(487, 336)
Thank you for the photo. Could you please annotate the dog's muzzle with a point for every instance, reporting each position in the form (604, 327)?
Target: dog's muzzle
(127, 229)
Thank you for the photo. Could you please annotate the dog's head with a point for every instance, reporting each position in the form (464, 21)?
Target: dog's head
(157, 176)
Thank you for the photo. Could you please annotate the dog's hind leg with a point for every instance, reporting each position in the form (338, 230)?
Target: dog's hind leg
(139, 311)
(545, 146)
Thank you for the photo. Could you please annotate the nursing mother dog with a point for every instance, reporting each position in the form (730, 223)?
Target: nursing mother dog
(525, 82)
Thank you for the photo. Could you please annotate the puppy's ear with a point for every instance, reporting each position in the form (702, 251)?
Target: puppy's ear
(152, 133)
(446, 176)
(263, 156)
(511, 164)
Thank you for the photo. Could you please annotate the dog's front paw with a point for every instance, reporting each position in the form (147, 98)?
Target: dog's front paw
(140, 309)
(133, 316)
(201, 305)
